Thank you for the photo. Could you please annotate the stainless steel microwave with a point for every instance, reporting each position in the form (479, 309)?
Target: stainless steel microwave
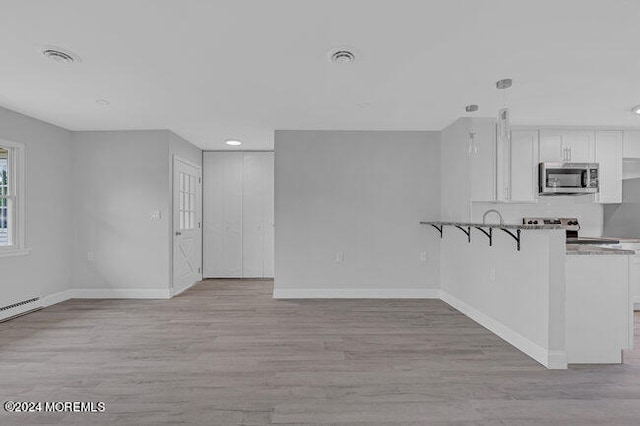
(568, 178)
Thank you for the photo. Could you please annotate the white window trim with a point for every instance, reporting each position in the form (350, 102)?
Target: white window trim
(18, 166)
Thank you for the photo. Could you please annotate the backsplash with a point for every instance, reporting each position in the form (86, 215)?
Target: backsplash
(589, 213)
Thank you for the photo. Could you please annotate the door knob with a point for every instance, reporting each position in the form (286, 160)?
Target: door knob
(178, 233)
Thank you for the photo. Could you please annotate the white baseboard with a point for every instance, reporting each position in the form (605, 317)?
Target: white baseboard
(356, 293)
(120, 293)
(177, 291)
(550, 359)
(52, 299)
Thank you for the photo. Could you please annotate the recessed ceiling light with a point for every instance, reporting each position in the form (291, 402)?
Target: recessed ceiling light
(103, 102)
(59, 54)
(504, 83)
(342, 55)
(471, 108)
(233, 142)
(636, 109)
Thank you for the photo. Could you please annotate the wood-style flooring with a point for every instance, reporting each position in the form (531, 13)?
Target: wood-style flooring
(226, 353)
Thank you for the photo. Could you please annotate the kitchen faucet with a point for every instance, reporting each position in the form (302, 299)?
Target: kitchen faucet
(484, 216)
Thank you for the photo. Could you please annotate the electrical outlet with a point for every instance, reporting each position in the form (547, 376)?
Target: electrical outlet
(156, 215)
(340, 257)
(492, 275)
(423, 257)
(90, 256)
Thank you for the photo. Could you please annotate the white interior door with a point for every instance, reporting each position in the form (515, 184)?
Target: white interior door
(187, 232)
(223, 214)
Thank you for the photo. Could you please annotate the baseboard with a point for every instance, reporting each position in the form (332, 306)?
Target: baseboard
(175, 292)
(356, 293)
(550, 359)
(59, 297)
(120, 293)
(557, 360)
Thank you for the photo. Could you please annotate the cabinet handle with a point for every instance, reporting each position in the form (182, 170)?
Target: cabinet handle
(570, 153)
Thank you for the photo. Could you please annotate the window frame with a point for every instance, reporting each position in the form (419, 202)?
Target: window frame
(17, 181)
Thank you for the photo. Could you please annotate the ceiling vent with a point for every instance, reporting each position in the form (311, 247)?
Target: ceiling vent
(342, 56)
(59, 55)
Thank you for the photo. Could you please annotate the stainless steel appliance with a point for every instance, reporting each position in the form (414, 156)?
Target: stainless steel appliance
(572, 228)
(568, 178)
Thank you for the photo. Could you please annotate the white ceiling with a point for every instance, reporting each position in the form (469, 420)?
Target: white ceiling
(212, 70)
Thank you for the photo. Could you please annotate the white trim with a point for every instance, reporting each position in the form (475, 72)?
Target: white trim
(175, 292)
(120, 293)
(549, 359)
(356, 293)
(59, 297)
(19, 159)
(557, 360)
(12, 251)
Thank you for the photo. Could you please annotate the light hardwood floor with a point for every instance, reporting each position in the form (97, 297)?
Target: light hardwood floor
(226, 353)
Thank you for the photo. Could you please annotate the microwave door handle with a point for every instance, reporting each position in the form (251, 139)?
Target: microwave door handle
(585, 178)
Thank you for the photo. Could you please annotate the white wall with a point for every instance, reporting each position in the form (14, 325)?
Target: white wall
(519, 295)
(47, 269)
(456, 172)
(361, 193)
(120, 178)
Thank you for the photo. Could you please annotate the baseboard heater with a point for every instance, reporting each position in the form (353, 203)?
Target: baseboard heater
(18, 309)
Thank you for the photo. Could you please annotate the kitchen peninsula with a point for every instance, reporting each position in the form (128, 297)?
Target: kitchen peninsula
(560, 304)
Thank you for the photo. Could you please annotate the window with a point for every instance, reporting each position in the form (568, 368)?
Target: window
(187, 194)
(11, 198)
(4, 196)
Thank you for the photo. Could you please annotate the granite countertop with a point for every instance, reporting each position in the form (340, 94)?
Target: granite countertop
(625, 240)
(592, 250)
(494, 225)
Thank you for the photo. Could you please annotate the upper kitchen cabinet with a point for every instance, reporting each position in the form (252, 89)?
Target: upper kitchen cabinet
(631, 144)
(482, 159)
(609, 147)
(523, 170)
(567, 146)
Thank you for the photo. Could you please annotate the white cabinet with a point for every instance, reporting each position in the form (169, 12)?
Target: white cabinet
(238, 214)
(609, 157)
(482, 153)
(631, 144)
(523, 177)
(567, 146)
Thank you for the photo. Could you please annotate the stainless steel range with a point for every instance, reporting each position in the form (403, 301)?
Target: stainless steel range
(572, 227)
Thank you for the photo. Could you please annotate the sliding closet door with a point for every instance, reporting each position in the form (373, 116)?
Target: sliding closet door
(222, 219)
(257, 215)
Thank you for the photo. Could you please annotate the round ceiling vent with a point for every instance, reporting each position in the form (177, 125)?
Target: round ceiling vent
(471, 108)
(342, 56)
(59, 55)
(504, 83)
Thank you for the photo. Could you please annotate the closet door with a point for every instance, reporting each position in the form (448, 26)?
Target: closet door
(222, 218)
(257, 215)
(269, 231)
